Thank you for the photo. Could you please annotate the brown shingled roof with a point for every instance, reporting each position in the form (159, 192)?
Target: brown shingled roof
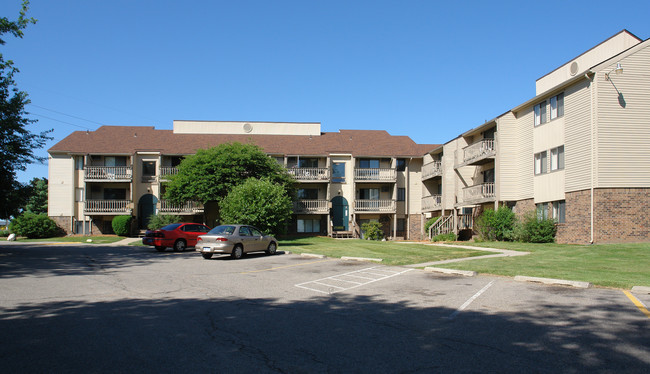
(131, 139)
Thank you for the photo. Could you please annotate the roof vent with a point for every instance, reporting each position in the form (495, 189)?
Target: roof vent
(573, 69)
(248, 127)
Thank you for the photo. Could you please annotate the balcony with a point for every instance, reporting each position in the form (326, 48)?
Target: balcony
(375, 206)
(478, 153)
(166, 171)
(310, 174)
(375, 175)
(108, 173)
(311, 207)
(430, 203)
(479, 193)
(187, 208)
(107, 207)
(431, 170)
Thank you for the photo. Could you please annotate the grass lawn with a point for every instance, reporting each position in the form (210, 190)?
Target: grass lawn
(392, 253)
(78, 239)
(610, 265)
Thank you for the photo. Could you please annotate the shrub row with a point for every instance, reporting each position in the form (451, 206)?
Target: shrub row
(503, 225)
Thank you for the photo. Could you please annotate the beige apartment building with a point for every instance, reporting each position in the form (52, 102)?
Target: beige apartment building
(577, 152)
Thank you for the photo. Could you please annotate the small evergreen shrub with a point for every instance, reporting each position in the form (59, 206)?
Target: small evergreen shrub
(531, 229)
(35, 226)
(372, 230)
(444, 237)
(161, 220)
(122, 225)
(497, 225)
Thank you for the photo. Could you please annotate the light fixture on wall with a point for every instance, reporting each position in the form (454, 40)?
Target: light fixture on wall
(618, 70)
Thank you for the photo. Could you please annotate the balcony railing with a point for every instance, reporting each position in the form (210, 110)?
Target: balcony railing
(311, 206)
(166, 171)
(478, 152)
(107, 207)
(188, 207)
(432, 169)
(375, 175)
(310, 174)
(108, 173)
(433, 202)
(374, 206)
(479, 192)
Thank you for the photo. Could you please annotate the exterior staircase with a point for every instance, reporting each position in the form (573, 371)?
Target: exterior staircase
(444, 225)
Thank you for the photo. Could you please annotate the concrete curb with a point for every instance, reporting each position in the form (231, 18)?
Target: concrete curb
(641, 289)
(312, 255)
(465, 273)
(361, 259)
(578, 284)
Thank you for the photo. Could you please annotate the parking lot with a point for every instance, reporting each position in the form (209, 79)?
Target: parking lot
(115, 309)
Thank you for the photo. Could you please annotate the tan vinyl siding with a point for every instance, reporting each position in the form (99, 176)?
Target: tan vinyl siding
(623, 132)
(414, 187)
(525, 166)
(61, 187)
(577, 147)
(506, 165)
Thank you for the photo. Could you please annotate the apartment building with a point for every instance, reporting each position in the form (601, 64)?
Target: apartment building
(577, 152)
(344, 178)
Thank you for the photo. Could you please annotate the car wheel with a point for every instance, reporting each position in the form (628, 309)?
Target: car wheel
(160, 248)
(179, 246)
(237, 252)
(271, 249)
(206, 256)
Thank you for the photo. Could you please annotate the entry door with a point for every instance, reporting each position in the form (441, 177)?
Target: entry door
(340, 213)
(146, 209)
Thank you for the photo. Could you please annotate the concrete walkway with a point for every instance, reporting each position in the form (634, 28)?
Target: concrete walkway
(125, 241)
(497, 253)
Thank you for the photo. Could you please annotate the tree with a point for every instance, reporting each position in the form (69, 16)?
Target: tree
(211, 174)
(17, 144)
(258, 202)
(37, 196)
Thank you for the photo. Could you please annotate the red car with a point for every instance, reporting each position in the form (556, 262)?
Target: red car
(177, 235)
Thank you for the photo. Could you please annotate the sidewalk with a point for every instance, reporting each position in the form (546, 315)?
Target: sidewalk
(497, 253)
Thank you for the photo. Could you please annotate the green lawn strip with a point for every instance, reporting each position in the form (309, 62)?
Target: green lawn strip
(78, 239)
(391, 253)
(609, 265)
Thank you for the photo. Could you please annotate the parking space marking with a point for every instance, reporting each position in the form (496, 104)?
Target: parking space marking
(638, 303)
(287, 266)
(470, 300)
(334, 283)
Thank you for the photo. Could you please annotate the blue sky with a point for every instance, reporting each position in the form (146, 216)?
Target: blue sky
(426, 69)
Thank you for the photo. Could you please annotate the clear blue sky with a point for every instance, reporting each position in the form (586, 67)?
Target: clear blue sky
(426, 69)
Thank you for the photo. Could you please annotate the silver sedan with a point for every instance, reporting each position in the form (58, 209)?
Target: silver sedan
(235, 240)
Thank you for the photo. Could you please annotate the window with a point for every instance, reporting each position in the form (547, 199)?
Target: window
(540, 113)
(308, 193)
(308, 163)
(557, 106)
(401, 194)
(244, 231)
(540, 163)
(559, 211)
(557, 158)
(401, 164)
(489, 134)
(308, 225)
(338, 172)
(488, 176)
(78, 194)
(114, 194)
(115, 161)
(369, 164)
(148, 168)
(79, 162)
(176, 160)
(369, 194)
(542, 210)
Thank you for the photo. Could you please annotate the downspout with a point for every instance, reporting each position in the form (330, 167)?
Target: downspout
(591, 189)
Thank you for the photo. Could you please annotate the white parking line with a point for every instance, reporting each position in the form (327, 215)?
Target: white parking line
(334, 283)
(466, 304)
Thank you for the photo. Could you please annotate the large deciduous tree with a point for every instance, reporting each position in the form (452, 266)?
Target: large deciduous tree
(210, 174)
(17, 144)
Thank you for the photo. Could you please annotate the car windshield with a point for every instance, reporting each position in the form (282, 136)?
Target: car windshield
(171, 227)
(223, 229)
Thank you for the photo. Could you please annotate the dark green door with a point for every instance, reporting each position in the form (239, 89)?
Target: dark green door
(146, 209)
(340, 213)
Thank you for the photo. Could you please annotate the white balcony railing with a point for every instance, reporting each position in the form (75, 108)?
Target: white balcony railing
(188, 207)
(374, 205)
(433, 202)
(481, 149)
(310, 174)
(432, 169)
(311, 206)
(375, 174)
(107, 207)
(166, 171)
(108, 173)
(479, 192)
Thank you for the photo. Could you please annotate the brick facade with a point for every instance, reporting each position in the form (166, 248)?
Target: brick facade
(63, 222)
(415, 227)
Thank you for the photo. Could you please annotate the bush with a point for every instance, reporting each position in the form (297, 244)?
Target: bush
(444, 237)
(372, 230)
(5, 233)
(497, 225)
(122, 225)
(258, 202)
(161, 220)
(531, 229)
(35, 226)
(430, 223)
